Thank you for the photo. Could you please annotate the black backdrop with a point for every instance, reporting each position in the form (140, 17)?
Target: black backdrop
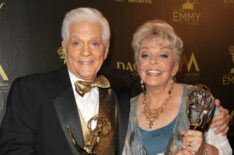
(30, 36)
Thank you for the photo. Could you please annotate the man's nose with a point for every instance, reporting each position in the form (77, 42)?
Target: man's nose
(86, 50)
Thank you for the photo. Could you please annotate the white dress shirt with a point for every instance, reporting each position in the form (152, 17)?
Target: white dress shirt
(88, 105)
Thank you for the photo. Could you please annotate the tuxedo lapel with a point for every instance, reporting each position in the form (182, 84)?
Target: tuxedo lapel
(107, 104)
(108, 109)
(122, 97)
(123, 117)
(66, 110)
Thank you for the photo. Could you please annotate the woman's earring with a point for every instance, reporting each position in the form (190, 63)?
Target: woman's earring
(142, 86)
(174, 79)
(61, 54)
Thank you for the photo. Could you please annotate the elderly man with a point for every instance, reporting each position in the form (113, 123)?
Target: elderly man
(47, 113)
(72, 110)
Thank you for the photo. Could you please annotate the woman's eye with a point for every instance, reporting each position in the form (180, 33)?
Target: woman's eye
(144, 55)
(164, 55)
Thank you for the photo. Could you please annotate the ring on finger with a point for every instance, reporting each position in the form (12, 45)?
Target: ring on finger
(189, 144)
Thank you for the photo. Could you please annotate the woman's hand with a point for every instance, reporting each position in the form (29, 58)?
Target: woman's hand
(221, 121)
(193, 142)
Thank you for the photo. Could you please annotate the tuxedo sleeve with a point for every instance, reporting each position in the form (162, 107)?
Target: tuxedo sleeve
(18, 129)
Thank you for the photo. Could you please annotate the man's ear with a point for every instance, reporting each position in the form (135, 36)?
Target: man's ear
(106, 50)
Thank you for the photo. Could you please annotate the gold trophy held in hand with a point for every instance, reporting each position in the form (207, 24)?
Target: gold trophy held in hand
(200, 107)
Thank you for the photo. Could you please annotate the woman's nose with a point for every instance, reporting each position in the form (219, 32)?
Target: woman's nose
(153, 60)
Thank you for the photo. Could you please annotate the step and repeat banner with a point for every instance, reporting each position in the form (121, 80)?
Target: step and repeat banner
(30, 37)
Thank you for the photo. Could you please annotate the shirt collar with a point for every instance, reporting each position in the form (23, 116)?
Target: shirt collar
(74, 78)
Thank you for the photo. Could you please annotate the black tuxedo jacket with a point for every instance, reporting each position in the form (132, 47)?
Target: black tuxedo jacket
(38, 104)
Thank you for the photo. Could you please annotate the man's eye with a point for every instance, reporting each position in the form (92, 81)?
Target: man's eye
(95, 44)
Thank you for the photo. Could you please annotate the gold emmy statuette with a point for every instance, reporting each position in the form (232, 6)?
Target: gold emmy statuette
(200, 107)
(102, 129)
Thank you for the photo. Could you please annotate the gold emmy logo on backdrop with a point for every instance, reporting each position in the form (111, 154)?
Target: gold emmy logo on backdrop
(128, 66)
(189, 70)
(4, 85)
(188, 5)
(228, 78)
(187, 13)
(3, 74)
(188, 64)
(1, 4)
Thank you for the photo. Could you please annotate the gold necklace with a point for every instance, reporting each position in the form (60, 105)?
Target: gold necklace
(152, 115)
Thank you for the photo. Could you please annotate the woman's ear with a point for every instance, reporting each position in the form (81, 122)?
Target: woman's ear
(175, 69)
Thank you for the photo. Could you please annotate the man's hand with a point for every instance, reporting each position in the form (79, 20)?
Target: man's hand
(221, 121)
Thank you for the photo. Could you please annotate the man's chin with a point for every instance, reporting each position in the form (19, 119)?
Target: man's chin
(89, 77)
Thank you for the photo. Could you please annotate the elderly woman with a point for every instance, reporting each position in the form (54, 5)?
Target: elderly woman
(157, 112)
